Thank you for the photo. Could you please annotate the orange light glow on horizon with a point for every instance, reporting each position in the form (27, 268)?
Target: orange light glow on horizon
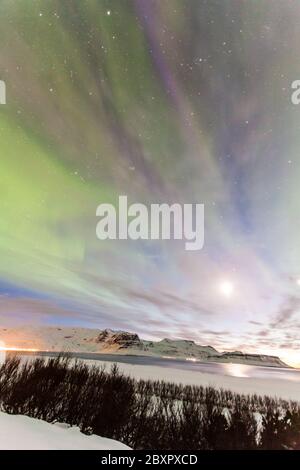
(5, 348)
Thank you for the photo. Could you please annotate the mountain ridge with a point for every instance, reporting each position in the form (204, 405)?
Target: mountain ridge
(108, 341)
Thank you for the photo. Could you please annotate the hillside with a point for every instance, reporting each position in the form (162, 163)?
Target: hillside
(122, 342)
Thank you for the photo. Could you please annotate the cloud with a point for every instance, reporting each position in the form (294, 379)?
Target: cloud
(290, 308)
(28, 310)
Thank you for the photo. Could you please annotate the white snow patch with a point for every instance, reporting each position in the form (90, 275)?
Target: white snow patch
(19, 432)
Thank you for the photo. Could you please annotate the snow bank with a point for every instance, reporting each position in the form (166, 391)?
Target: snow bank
(19, 432)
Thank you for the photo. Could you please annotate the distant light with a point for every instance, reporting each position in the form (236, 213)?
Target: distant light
(108, 12)
(298, 282)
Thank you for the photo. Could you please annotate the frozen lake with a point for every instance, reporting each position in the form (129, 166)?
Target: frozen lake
(214, 368)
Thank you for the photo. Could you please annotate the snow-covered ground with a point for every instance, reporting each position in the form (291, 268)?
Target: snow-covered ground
(233, 378)
(286, 389)
(19, 432)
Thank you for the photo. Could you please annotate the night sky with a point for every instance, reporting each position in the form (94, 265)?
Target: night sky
(183, 101)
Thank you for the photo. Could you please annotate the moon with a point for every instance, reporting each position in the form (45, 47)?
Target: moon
(226, 288)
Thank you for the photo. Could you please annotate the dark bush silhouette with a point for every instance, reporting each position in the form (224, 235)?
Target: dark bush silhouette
(145, 414)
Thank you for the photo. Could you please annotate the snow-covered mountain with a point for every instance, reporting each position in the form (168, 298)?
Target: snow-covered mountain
(122, 342)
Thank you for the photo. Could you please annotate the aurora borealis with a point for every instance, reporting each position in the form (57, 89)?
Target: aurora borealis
(183, 101)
